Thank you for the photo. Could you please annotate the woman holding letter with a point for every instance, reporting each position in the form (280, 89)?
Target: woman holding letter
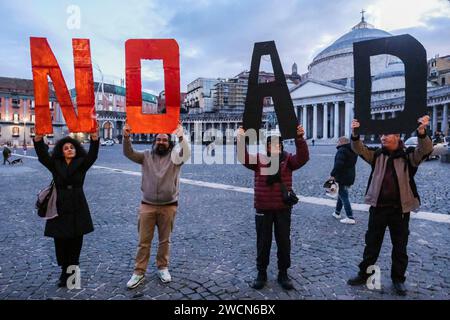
(68, 164)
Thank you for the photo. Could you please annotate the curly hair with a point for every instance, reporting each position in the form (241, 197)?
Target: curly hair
(58, 149)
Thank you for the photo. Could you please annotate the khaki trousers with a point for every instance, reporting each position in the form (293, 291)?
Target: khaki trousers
(163, 218)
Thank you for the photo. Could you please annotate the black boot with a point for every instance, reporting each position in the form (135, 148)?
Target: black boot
(260, 280)
(62, 282)
(357, 280)
(400, 288)
(284, 281)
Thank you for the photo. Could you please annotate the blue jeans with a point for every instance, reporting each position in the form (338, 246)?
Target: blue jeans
(344, 201)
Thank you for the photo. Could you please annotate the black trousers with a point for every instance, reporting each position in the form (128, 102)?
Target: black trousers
(265, 222)
(398, 224)
(68, 251)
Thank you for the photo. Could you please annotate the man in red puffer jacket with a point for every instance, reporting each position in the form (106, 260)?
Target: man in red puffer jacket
(270, 207)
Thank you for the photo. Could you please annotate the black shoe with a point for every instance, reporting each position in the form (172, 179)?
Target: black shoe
(62, 281)
(284, 281)
(260, 280)
(357, 281)
(400, 288)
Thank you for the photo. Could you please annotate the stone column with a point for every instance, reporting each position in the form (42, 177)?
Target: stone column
(325, 120)
(336, 120)
(348, 107)
(435, 120)
(305, 120)
(314, 122)
(445, 119)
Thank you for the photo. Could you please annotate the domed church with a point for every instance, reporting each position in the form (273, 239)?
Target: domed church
(324, 99)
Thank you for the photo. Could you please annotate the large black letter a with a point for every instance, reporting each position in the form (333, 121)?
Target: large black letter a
(277, 89)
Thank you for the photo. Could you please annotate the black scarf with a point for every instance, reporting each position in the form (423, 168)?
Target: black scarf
(276, 177)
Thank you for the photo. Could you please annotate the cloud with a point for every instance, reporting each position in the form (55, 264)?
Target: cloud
(216, 38)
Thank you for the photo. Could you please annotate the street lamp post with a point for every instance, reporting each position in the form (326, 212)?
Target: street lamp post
(24, 126)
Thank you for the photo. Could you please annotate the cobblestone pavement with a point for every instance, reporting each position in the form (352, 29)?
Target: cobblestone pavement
(213, 244)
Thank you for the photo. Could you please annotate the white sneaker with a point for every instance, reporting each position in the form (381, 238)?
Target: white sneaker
(164, 275)
(348, 221)
(135, 281)
(337, 216)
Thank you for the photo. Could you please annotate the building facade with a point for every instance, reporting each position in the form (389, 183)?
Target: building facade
(17, 113)
(229, 95)
(199, 97)
(439, 70)
(110, 107)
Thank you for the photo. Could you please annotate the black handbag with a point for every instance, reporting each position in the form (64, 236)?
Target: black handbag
(289, 196)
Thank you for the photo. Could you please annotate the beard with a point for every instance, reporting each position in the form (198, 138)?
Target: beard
(161, 150)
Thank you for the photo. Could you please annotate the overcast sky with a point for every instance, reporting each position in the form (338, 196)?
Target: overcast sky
(216, 37)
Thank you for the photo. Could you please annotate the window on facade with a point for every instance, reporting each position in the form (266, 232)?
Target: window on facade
(32, 104)
(50, 104)
(443, 81)
(15, 132)
(15, 103)
(32, 118)
(32, 131)
(16, 117)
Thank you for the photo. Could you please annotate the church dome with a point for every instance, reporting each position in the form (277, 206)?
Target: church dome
(336, 61)
(362, 31)
(347, 40)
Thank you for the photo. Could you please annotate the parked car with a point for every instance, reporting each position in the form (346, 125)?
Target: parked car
(108, 142)
(439, 148)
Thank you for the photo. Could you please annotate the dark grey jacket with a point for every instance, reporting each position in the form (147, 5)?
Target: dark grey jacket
(344, 165)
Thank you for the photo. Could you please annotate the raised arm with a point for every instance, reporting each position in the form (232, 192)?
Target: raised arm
(424, 143)
(301, 156)
(185, 150)
(358, 147)
(248, 160)
(128, 150)
(92, 155)
(42, 152)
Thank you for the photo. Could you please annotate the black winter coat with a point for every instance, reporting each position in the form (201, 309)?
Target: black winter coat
(74, 217)
(344, 165)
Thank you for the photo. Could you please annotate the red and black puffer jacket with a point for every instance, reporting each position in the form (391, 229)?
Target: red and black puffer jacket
(269, 197)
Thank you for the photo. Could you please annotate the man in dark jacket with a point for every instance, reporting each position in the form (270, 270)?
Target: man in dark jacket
(392, 195)
(344, 174)
(271, 210)
(6, 154)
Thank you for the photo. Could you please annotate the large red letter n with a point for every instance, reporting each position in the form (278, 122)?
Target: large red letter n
(44, 64)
